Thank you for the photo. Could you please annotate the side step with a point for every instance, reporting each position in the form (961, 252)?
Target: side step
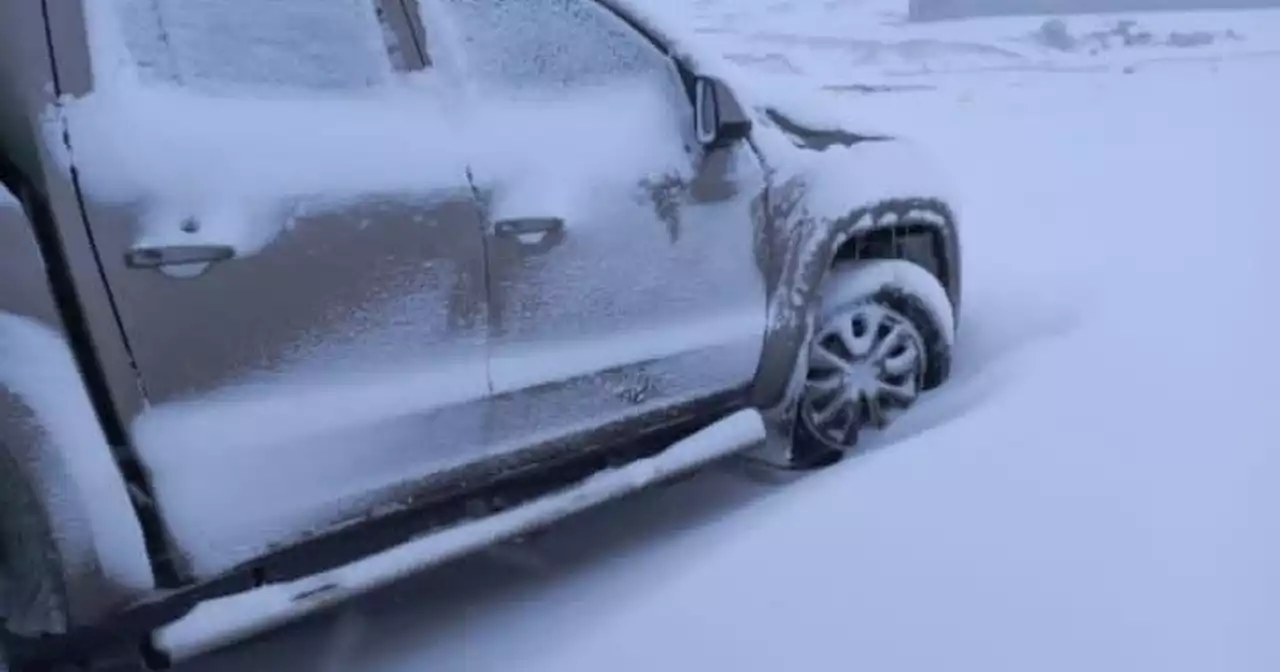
(219, 622)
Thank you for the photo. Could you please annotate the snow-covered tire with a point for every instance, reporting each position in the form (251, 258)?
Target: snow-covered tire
(32, 590)
(883, 335)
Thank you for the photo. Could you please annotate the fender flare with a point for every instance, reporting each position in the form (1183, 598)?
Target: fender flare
(811, 251)
(62, 455)
(53, 441)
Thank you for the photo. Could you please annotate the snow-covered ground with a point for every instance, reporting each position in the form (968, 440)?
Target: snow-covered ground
(850, 43)
(1093, 490)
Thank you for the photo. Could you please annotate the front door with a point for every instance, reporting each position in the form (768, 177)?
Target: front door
(298, 271)
(623, 280)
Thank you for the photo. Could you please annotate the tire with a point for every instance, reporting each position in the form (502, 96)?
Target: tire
(32, 589)
(883, 335)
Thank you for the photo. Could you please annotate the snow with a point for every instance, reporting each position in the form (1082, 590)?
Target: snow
(303, 407)
(199, 117)
(310, 417)
(342, 436)
(541, 45)
(846, 45)
(7, 199)
(841, 179)
(159, 146)
(1093, 490)
(219, 48)
(871, 276)
(194, 144)
(217, 622)
(541, 363)
(100, 530)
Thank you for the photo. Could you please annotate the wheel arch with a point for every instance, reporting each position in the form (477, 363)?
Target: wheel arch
(920, 229)
(51, 436)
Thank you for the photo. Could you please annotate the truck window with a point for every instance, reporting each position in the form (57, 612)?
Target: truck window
(523, 44)
(233, 46)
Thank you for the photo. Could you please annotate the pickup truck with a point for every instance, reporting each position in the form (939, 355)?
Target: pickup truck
(299, 298)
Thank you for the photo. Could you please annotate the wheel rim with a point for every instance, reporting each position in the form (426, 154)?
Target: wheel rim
(866, 366)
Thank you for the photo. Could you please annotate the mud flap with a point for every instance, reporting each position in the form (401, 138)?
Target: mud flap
(778, 452)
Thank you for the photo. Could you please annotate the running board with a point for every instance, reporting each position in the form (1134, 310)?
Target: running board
(216, 623)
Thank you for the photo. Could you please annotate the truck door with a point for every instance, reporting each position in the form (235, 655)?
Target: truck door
(298, 273)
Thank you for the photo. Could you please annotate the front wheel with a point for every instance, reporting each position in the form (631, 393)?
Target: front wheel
(883, 336)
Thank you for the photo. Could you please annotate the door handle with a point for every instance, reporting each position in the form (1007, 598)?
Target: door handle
(161, 256)
(534, 235)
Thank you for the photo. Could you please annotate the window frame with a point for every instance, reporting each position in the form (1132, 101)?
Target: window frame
(687, 76)
(416, 11)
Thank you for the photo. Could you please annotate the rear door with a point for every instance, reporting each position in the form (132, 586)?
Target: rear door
(297, 266)
(624, 288)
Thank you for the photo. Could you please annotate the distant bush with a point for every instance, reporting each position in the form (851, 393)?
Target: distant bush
(933, 10)
(1056, 34)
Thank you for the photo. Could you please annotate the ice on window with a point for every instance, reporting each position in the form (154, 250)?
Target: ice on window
(540, 44)
(217, 46)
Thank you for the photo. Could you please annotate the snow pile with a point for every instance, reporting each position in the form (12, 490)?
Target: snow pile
(101, 537)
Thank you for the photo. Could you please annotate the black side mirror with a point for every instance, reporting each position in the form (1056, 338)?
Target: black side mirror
(719, 119)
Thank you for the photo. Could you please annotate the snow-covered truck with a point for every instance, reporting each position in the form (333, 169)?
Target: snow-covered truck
(299, 298)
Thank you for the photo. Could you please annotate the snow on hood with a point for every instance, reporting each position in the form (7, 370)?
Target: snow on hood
(858, 168)
(806, 104)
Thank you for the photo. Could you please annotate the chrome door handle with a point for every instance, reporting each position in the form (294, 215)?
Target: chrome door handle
(526, 226)
(534, 235)
(177, 255)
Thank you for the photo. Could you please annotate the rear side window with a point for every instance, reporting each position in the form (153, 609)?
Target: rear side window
(229, 46)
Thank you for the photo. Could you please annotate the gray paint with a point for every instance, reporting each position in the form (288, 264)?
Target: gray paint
(932, 10)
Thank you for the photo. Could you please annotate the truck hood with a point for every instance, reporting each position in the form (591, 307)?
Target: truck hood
(802, 114)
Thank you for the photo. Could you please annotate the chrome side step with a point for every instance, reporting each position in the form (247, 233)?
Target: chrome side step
(219, 622)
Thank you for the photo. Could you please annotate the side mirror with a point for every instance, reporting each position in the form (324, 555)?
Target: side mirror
(719, 119)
